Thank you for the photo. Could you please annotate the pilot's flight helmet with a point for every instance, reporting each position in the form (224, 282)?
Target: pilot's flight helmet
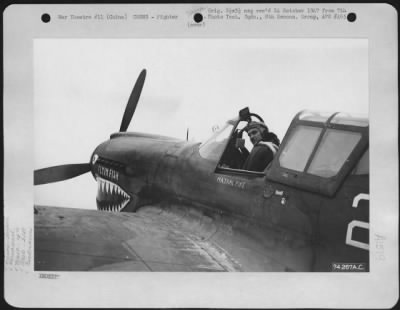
(260, 126)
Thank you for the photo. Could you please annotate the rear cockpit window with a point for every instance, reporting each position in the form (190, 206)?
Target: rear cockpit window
(312, 116)
(320, 150)
(352, 120)
(362, 167)
(333, 151)
(299, 147)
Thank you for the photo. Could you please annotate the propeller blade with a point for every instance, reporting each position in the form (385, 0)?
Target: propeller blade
(133, 101)
(59, 173)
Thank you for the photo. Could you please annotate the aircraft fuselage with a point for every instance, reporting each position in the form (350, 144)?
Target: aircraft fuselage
(133, 168)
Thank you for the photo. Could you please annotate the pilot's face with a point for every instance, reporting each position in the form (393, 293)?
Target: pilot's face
(254, 135)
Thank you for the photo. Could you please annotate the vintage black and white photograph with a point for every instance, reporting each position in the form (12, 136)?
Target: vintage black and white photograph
(201, 155)
(208, 157)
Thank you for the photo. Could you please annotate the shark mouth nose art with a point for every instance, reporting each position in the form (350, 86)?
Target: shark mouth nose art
(110, 196)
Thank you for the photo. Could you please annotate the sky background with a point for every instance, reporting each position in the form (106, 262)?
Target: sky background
(81, 87)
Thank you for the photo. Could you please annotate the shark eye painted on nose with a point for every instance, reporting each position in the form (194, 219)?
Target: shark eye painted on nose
(95, 158)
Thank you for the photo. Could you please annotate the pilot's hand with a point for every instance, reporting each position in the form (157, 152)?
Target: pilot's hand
(239, 143)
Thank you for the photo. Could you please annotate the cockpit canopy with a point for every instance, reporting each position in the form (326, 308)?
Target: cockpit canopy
(320, 149)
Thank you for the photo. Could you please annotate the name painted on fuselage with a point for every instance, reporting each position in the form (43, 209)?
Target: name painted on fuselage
(108, 173)
(231, 182)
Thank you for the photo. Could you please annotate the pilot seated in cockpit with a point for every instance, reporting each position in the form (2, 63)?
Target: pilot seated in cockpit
(265, 146)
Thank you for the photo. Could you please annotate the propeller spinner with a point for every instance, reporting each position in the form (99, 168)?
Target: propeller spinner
(65, 172)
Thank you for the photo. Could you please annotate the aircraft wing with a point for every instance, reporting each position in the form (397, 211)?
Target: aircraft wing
(152, 239)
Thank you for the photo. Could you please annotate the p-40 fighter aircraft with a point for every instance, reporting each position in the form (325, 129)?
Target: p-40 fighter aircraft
(176, 205)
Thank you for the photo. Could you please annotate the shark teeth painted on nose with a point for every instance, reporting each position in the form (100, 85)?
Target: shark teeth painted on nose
(110, 196)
